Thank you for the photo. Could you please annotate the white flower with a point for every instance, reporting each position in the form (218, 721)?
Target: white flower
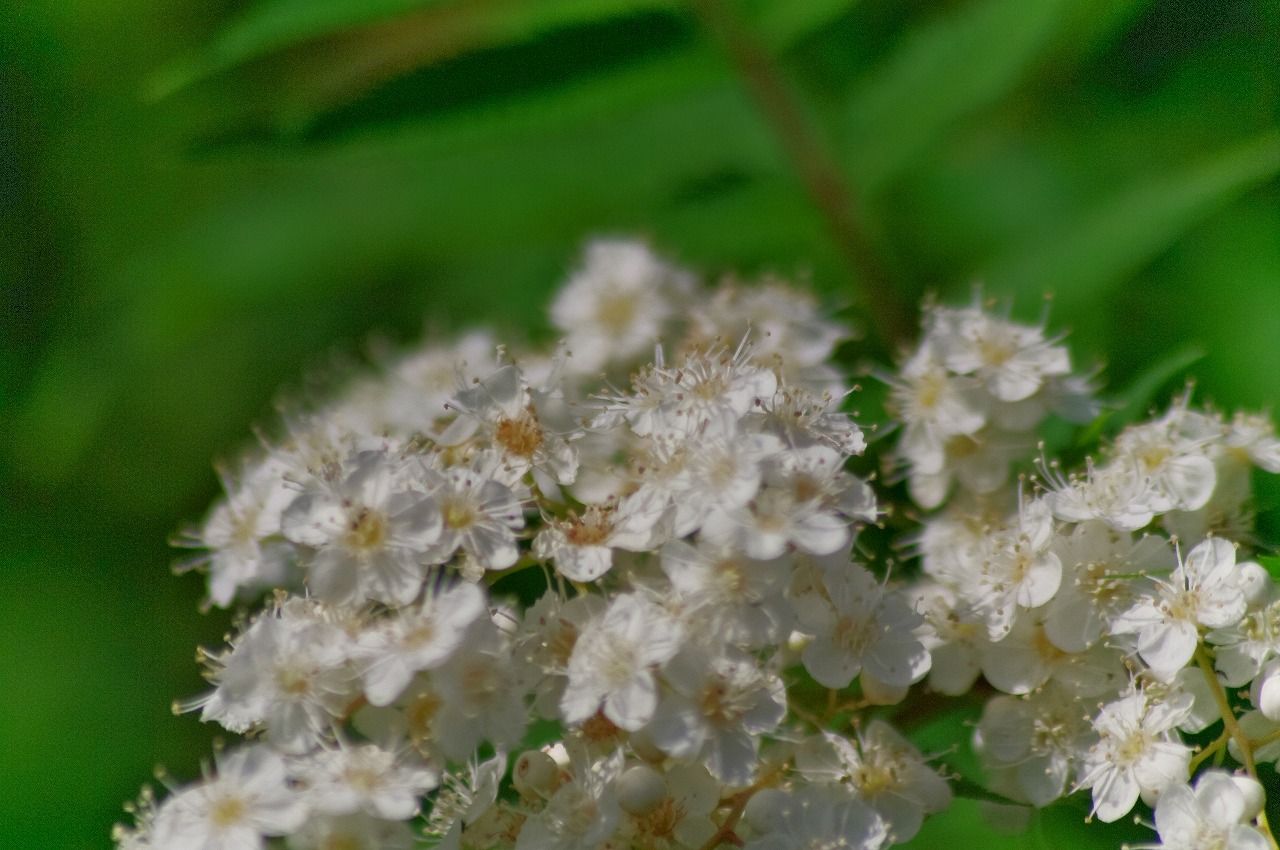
(1100, 567)
(719, 703)
(242, 534)
(979, 462)
(247, 800)
(1244, 647)
(885, 771)
(581, 545)
(671, 810)
(368, 533)
(1137, 752)
(480, 696)
(706, 394)
(1265, 692)
(800, 417)
(1204, 591)
(725, 593)
(466, 795)
(1014, 361)
(1026, 659)
(422, 638)
(808, 501)
(421, 380)
(479, 513)
(791, 334)
(1213, 815)
(1038, 738)
(934, 406)
(545, 642)
(617, 304)
(1173, 461)
(1018, 570)
(581, 815)
(610, 668)
(1254, 436)
(813, 820)
(858, 626)
(1116, 493)
(288, 672)
(367, 778)
(955, 638)
(724, 473)
(503, 408)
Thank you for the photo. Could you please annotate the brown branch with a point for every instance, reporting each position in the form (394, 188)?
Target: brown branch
(891, 319)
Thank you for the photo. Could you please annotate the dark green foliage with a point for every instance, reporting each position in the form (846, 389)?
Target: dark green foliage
(202, 203)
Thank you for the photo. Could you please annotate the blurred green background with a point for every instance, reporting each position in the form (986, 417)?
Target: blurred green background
(201, 202)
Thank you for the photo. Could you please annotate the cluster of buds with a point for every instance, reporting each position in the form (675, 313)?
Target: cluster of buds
(517, 600)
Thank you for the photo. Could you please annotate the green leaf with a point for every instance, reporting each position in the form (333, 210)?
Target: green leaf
(1272, 565)
(781, 24)
(445, 27)
(944, 69)
(970, 790)
(1135, 401)
(1081, 259)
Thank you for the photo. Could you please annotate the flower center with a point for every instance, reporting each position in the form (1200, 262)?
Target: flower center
(227, 812)
(521, 435)
(367, 531)
(458, 514)
(616, 311)
(591, 529)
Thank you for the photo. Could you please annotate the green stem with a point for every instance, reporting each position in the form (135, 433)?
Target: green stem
(891, 318)
(1233, 730)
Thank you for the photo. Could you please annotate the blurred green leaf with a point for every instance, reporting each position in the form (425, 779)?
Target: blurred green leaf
(1136, 399)
(448, 26)
(782, 24)
(970, 790)
(457, 55)
(1272, 565)
(1080, 259)
(956, 63)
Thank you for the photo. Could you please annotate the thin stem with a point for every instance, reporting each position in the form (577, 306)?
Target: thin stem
(1216, 747)
(891, 318)
(1232, 728)
(737, 805)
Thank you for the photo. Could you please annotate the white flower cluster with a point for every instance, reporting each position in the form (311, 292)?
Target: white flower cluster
(568, 601)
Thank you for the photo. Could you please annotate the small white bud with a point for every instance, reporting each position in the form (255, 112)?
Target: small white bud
(878, 693)
(1254, 796)
(641, 789)
(535, 773)
(645, 748)
(1255, 581)
(765, 809)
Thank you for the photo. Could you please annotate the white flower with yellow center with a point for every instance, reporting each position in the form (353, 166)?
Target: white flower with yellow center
(617, 304)
(247, 800)
(858, 626)
(1204, 591)
(884, 770)
(422, 638)
(1138, 752)
(1214, 815)
(288, 673)
(366, 534)
(351, 778)
(479, 513)
(611, 668)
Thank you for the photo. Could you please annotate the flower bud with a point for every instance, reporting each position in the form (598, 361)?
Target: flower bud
(535, 773)
(645, 748)
(641, 789)
(765, 809)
